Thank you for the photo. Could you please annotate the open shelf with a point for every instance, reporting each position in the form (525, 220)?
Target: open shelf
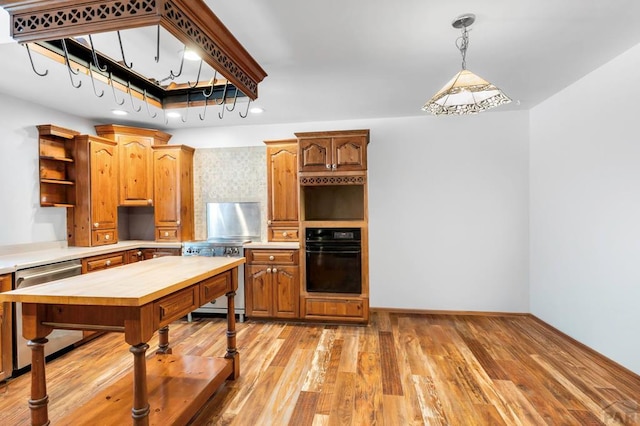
(57, 181)
(64, 159)
(57, 166)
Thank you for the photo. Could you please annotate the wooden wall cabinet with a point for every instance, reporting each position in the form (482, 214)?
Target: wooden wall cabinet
(272, 283)
(6, 326)
(57, 167)
(135, 159)
(173, 192)
(93, 221)
(282, 190)
(336, 151)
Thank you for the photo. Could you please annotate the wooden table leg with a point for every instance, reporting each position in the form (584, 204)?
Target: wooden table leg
(232, 351)
(140, 409)
(163, 337)
(39, 398)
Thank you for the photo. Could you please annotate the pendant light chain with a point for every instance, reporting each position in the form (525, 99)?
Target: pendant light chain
(462, 43)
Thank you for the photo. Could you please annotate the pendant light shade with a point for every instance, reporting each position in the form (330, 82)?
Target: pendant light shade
(465, 93)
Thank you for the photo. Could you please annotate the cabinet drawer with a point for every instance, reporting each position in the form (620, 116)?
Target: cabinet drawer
(334, 308)
(287, 257)
(97, 263)
(100, 237)
(166, 234)
(176, 305)
(283, 234)
(215, 287)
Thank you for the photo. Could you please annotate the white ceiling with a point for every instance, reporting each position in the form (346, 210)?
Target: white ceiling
(351, 59)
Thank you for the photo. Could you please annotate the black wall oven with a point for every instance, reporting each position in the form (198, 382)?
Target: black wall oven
(333, 260)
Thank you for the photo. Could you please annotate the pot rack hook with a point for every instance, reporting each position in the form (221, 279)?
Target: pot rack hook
(204, 111)
(171, 74)
(93, 83)
(68, 62)
(224, 94)
(247, 111)
(113, 88)
(146, 102)
(235, 98)
(95, 56)
(45, 71)
(186, 112)
(213, 82)
(197, 78)
(131, 97)
(124, 61)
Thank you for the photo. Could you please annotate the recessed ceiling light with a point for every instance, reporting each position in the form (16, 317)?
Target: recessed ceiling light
(173, 114)
(119, 112)
(190, 55)
(256, 110)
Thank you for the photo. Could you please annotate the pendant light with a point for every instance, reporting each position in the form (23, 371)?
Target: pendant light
(465, 93)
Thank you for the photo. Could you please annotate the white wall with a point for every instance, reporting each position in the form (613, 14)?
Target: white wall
(448, 206)
(21, 217)
(585, 211)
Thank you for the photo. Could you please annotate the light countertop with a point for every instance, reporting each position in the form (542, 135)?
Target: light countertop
(29, 258)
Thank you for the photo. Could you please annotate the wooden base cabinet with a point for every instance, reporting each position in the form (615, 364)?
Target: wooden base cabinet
(272, 284)
(138, 255)
(6, 325)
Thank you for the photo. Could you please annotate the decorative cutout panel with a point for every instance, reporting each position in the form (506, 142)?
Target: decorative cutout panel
(332, 180)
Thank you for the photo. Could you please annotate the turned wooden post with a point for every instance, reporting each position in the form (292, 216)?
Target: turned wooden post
(39, 398)
(140, 409)
(163, 344)
(232, 351)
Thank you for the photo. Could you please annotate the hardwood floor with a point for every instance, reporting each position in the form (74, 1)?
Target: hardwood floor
(402, 369)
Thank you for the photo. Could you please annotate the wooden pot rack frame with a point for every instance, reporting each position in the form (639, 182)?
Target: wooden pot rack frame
(47, 22)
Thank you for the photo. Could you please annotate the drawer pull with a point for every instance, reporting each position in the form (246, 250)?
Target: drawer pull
(285, 234)
(96, 224)
(139, 253)
(106, 237)
(166, 234)
(108, 263)
(271, 257)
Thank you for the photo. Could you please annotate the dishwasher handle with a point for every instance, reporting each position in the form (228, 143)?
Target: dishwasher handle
(52, 274)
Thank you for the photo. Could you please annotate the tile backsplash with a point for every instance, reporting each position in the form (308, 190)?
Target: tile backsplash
(229, 175)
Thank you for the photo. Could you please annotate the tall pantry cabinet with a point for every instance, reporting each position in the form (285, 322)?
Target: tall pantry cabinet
(282, 194)
(93, 221)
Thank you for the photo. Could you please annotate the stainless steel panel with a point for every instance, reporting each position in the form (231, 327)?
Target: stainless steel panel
(239, 221)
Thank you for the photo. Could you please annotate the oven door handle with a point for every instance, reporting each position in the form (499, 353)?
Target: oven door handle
(333, 251)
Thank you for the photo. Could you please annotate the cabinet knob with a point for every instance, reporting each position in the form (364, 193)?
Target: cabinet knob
(275, 270)
(328, 166)
(139, 253)
(155, 255)
(95, 225)
(271, 257)
(268, 270)
(166, 234)
(334, 167)
(149, 201)
(285, 234)
(178, 222)
(269, 222)
(108, 263)
(106, 237)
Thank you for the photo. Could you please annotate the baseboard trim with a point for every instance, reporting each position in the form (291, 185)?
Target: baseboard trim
(606, 360)
(445, 312)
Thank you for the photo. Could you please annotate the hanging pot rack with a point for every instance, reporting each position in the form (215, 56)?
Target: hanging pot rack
(52, 28)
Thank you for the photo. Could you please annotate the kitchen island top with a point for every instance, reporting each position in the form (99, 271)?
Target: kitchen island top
(129, 285)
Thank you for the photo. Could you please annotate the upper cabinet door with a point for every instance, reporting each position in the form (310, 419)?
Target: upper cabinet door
(104, 185)
(136, 170)
(166, 170)
(282, 178)
(315, 154)
(349, 153)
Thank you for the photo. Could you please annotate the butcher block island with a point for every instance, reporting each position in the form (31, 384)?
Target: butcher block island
(136, 299)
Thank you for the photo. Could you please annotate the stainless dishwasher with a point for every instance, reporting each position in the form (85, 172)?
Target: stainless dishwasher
(58, 339)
